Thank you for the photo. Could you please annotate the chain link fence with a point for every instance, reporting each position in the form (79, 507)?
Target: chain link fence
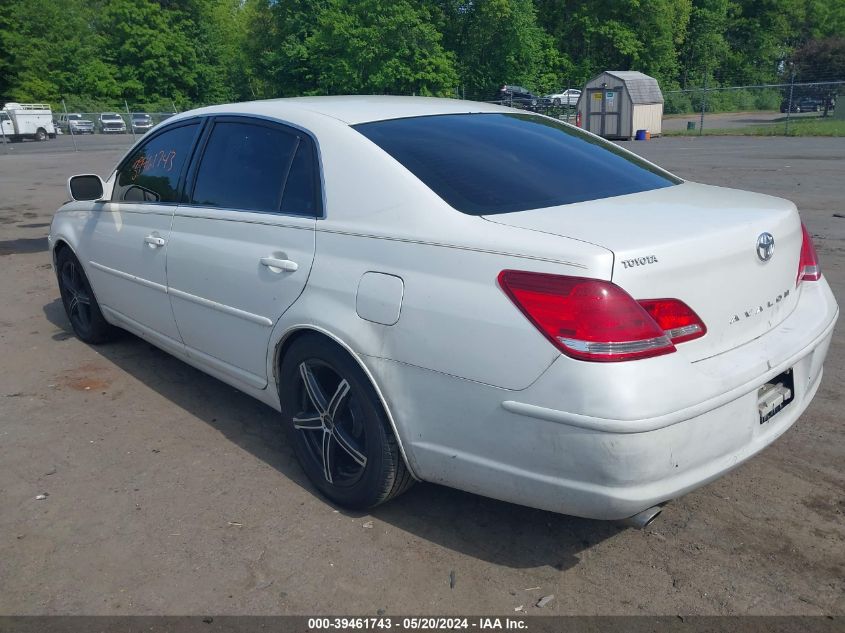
(766, 109)
(793, 108)
(77, 128)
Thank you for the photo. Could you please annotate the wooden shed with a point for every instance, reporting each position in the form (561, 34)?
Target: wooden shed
(617, 103)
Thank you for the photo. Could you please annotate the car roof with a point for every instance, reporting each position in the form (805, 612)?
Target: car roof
(352, 109)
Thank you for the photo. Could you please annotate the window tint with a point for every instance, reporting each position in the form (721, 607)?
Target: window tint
(244, 167)
(151, 174)
(301, 188)
(484, 164)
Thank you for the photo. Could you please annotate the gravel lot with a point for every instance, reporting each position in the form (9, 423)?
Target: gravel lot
(171, 493)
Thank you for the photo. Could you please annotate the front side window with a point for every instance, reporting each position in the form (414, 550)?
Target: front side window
(256, 167)
(151, 173)
(482, 164)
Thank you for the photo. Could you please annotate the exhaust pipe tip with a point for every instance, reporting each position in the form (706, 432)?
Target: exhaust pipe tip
(643, 519)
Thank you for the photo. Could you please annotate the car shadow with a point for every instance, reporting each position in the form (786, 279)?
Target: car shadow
(494, 531)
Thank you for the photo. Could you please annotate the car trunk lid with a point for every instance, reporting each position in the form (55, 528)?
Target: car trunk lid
(695, 243)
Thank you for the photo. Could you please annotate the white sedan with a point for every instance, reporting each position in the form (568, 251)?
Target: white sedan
(424, 291)
(569, 97)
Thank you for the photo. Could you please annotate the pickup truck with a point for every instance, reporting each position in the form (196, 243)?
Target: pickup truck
(74, 124)
(111, 123)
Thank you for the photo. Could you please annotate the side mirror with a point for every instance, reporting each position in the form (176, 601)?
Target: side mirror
(85, 187)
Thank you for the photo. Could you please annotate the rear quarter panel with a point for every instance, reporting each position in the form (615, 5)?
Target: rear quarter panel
(453, 318)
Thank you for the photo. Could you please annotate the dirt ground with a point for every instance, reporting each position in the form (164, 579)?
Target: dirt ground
(171, 493)
(728, 120)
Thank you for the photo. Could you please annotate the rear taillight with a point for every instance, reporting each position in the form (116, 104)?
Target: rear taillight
(679, 322)
(588, 319)
(808, 264)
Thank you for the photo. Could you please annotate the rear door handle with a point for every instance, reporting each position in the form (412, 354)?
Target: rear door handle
(279, 265)
(154, 241)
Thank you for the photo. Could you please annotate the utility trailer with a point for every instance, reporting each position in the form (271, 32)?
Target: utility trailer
(19, 121)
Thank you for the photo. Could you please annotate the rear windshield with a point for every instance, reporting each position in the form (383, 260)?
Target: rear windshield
(482, 164)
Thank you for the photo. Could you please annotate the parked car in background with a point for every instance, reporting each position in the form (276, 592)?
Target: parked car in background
(19, 121)
(803, 104)
(568, 97)
(141, 122)
(571, 328)
(518, 95)
(785, 105)
(111, 123)
(811, 104)
(74, 123)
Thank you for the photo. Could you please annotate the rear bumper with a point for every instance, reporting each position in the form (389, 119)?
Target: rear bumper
(609, 440)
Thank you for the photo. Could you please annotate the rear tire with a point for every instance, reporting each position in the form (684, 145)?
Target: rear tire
(340, 431)
(41, 134)
(81, 306)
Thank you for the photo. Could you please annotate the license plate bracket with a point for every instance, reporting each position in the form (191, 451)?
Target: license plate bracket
(773, 397)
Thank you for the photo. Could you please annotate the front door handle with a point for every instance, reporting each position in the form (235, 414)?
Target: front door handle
(154, 240)
(279, 265)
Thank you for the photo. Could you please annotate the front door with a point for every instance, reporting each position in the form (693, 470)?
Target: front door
(128, 235)
(241, 248)
(603, 111)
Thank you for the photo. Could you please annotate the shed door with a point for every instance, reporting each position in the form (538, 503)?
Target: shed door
(603, 111)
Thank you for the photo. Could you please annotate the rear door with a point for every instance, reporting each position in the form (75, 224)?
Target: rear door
(127, 237)
(242, 244)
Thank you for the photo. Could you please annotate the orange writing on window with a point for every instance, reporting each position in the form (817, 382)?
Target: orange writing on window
(163, 159)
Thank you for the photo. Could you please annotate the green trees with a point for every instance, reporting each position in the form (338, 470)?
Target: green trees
(315, 47)
(497, 42)
(105, 51)
(190, 52)
(46, 49)
(368, 46)
(618, 34)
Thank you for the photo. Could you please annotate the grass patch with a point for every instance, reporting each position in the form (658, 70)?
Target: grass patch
(797, 127)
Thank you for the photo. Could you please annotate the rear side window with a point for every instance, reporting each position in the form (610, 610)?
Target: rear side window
(483, 164)
(301, 186)
(151, 173)
(256, 167)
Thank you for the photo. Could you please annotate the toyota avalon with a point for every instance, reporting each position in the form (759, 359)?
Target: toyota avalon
(462, 293)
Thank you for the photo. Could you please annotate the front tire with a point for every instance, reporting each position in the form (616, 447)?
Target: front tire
(340, 431)
(81, 306)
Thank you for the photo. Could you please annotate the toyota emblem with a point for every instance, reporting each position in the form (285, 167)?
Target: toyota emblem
(765, 246)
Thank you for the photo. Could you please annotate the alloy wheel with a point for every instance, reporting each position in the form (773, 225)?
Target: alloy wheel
(76, 296)
(331, 423)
